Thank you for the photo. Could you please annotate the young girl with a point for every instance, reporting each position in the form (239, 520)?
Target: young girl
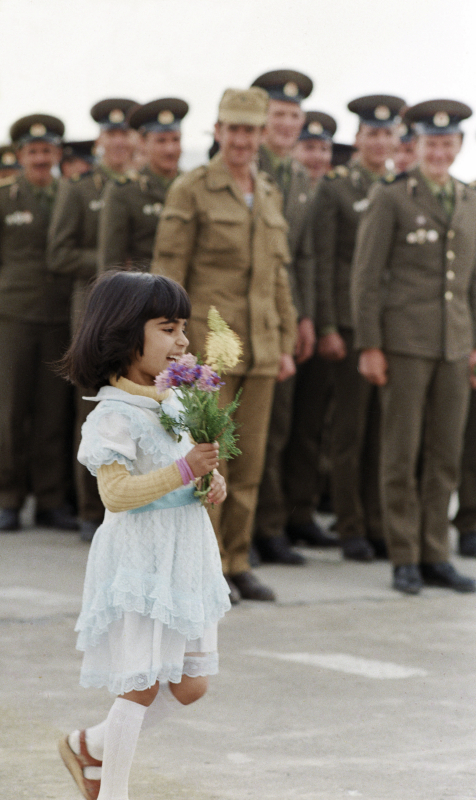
(154, 588)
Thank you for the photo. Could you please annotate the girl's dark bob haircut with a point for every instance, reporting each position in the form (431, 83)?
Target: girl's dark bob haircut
(111, 333)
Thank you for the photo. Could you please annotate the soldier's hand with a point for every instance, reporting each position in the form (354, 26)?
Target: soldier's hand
(331, 347)
(287, 367)
(217, 493)
(373, 366)
(306, 340)
(472, 369)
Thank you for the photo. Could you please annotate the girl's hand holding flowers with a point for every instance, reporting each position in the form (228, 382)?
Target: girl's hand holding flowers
(209, 424)
(203, 459)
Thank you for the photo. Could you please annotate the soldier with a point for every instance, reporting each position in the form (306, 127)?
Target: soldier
(34, 331)
(414, 309)
(72, 250)
(313, 149)
(341, 197)
(404, 157)
(132, 205)
(8, 161)
(304, 479)
(77, 158)
(286, 89)
(223, 237)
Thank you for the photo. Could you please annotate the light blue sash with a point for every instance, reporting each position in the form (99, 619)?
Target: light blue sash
(179, 497)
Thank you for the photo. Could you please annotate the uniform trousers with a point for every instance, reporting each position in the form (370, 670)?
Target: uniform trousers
(465, 519)
(424, 409)
(35, 413)
(302, 463)
(271, 511)
(233, 520)
(355, 449)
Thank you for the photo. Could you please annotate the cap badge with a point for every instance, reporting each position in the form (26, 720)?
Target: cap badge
(290, 89)
(38, 129)
(8, 159)
(116, 116)
(166, 117)
(382, 113)
(441, 119)
(315, 128)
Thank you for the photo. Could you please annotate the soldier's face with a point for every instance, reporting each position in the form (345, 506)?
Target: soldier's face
(283, 126)
(238, 143)
(436, 154)
(405, 156)
(117, 148)
(375, 145)
(315, 155)
(75, 166)
(37, 160)
(163, 150)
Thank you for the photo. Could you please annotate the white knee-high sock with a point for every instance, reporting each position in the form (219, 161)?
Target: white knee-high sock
(124, 722)
(163, 706)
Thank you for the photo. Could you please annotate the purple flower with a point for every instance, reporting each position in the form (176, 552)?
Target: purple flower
(186, 372)
(208, 381)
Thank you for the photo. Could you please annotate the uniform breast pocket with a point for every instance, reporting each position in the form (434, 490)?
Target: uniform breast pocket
(276, 233)
(224, 232)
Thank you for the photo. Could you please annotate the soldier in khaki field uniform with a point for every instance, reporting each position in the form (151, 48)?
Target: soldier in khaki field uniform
(340, 200)
(223, 237)
(72, 251)
(414, 309)
(286, 89)
(303, 480)
(132, 205)
(34, 332)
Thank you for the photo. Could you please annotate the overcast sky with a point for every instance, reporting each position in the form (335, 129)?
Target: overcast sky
(61, 56)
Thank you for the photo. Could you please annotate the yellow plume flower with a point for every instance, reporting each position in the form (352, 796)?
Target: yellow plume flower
(223, 348)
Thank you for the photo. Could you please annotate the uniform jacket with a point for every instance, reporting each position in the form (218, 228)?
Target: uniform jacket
(340, 199)
(296, 209)
(414, 274)
(73, 236)
(228, 256)
(72, 245)
(128, 221)
(28, 291)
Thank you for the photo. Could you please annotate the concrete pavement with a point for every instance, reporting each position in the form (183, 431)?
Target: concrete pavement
(343, 689)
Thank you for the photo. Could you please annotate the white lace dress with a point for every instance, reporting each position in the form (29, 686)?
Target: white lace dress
(154, 588)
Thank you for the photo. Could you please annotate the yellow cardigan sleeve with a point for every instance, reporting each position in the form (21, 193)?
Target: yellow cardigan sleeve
(121, 491)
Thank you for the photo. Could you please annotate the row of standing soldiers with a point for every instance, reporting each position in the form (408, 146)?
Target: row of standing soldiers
(305, 263)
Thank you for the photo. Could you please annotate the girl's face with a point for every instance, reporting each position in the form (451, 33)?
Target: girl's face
(164, 342)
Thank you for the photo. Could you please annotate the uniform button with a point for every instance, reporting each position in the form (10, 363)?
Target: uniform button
(448, 295)
(451, 234)
(450, 255)
(450, 275)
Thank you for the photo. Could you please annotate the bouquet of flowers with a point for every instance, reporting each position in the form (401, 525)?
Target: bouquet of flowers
(198, 385)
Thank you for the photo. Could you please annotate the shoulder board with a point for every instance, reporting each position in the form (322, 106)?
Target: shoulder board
(391, 178)
(338, 172)
(80, 176)
(8, 181)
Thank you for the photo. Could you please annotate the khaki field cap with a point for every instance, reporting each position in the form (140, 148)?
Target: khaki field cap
(243, 107)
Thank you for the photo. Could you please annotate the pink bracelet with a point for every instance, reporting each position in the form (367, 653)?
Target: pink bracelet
(185, 471)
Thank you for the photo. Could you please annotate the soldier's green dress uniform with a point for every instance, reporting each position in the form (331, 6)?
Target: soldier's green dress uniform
(414, 298)
(133, 203)
(232, 256)
(303, 478)
(341, 199)
(34, 333)
(72, 251)
(294, 183)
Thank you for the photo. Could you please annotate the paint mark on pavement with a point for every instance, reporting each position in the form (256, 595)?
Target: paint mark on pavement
(342, 662)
